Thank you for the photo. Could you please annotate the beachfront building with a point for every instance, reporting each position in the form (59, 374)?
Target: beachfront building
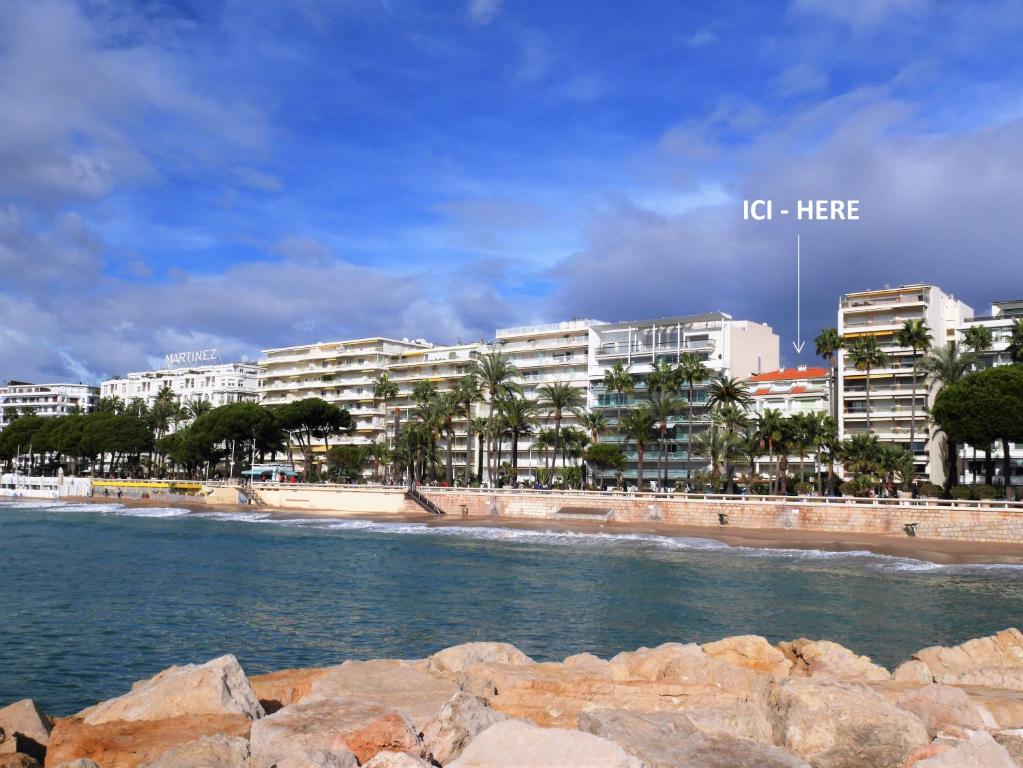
(443, 367)
(545, 354)
(340, 372)
(999, 322)
(20, 398)
(880, 314)
(728, 347)
(216, 383)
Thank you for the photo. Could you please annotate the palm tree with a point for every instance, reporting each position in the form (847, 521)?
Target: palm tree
(713, 443)
(865, 355)
(638, 428)
(664, 405)
(594, 422)
(802, 437)
(478, 426)
(750, 445)
(617, 379)
(943, 366)
(769, 425)
(829, 341)
(449, 406)
(732, 419)
(692, 371)
(825, 432)
(663, 378)
(496, 374)
(469, 392)
(196, 407)
(978, 339)
(517, 416)
(1015, 348)
(557, 398)
(916, 336)
(384, 389)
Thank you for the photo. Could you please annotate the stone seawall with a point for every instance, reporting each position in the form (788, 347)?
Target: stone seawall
(931, 522)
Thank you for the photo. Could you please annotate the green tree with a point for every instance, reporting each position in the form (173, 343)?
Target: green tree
(639, 428)
(312, 418)
(496, 374)
(517, 414)
(385, 389)
(617, 379)
(946, 365)
(1015, 347)
(866, 354)
(469, 393)
(977, 338)
(769, 426)
(665, 406)
(605, 457)
(732, 420)
(348, 462)
(692, 371)
(829, 341)
(985, 406)
(478, 426)
(915, 336)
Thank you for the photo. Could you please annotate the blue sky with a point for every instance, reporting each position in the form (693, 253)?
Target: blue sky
(175, 174)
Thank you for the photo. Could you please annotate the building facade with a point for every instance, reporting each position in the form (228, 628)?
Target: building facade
(999, 322)
(880, 314)
(791, 392)
(728, 347)
(218, 383)
(18, 398)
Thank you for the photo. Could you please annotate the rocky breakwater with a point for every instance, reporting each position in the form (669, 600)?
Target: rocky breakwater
(740, 702)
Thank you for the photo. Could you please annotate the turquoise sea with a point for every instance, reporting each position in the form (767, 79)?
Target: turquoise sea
(93, 597)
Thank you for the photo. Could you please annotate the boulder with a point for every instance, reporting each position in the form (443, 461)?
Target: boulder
(218, 687)
(285, 686)
(676, 678)
(459, 721)
(80, 763)
(514, 744)
(218, 751)
(991, 660)
(25, 718)
(1012, 740)
(978, 750)
(321, 730)
(912, 671)
(396, 760)
(404, 685)
(18, 760)
(456, 659)
(587, 662)
(940, 707)
(673, 740)
(825, 659)
(751, 652)
(842, 725)
(129, 744)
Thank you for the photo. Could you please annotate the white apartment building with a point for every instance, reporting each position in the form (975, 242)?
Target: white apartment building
(546, 354)
(881, 313)
(18, 398)
(218, 383)
(791, 391)
(999, 322)
(736, 348)
(340, 372)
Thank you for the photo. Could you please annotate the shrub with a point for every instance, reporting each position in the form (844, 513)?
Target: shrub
(802, 488)
(963, 492)
(861, 486)
(988, 492)
(932, 491)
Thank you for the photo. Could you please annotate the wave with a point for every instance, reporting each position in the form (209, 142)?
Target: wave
(633, 541)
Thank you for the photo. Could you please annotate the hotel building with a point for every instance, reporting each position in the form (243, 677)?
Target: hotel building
(217, 383)
(1000, 320)
(18, 398)
(340, 372)
(881, 313)
(735, 348)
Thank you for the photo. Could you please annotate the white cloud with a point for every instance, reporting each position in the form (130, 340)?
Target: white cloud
(482, 12)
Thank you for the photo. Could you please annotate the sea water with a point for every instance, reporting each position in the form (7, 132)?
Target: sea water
(94, 597)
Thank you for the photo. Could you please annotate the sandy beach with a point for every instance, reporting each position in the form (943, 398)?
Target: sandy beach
(928, 550)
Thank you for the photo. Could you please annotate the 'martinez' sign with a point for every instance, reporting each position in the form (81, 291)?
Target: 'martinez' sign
(192, 357)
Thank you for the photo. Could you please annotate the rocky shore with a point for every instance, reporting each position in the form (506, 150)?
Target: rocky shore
(740, 702)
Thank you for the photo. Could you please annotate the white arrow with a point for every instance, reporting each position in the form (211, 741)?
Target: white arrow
(798, 343)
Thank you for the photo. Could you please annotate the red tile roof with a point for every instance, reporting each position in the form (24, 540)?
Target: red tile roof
(790, 374)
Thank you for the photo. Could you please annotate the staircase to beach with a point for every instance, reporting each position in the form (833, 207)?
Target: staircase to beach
(417, 496)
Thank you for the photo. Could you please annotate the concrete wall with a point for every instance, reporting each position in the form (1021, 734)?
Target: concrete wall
(327, 498)
(934, 522)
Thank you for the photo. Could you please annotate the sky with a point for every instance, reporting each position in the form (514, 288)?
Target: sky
(253, 174)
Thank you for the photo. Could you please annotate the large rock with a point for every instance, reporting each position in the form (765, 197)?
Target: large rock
(18, 760)
(751, 652)
(458, 658)
(218, 687)
(668, 678)
(396, 760)
(319, 730)
(514, 744)
(129, 744)
(940, 707)
(80, 763)
(825, 659)
(673, 740)
(25, 718)
(285, 686)
(1012, 740)
(841, 725)
(995, 661)
(978, 750)
(459, 721)
(218, 751)
(404, 685)
(913, 671)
